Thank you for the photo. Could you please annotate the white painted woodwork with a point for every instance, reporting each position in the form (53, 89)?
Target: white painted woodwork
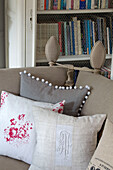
(15, 33)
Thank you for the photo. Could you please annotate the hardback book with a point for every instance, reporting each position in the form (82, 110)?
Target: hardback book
(62, 4)
(65, 38)
(108, 40)
(110, 3)
(92, 4)
(41, 4)
(38, 5)
(86, 36)
(73, 36)
(68, 4)
(95, 4)
(76, 35)
(79, 37)
(68, 38)
(59, 4)
(72, 4)
(60, 38)
(55, 4)
(89, 4)
(71, 42)
(50, 4)
(88, 32)
(47, 4)
(82, 4)
(44, 4)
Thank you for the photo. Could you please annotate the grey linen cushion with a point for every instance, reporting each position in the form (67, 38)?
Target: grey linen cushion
(33, 88)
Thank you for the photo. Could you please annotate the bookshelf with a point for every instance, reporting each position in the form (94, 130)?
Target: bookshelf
(55, 16)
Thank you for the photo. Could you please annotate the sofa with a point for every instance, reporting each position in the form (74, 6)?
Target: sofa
(99, 101)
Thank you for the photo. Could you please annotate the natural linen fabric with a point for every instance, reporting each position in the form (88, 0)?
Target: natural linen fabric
(17, 133)
(64, 142)
(103, 156)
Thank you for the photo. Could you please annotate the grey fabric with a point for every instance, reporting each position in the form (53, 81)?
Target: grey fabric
(40, 91)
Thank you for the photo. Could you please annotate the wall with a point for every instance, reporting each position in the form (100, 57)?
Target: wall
(2, 32)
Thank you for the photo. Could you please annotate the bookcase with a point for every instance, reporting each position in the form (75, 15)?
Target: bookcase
(77, 30)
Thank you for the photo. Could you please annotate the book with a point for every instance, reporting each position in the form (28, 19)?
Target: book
(71, 42)
(110, 3)
(44, 4)
(73, 37)
(82, 4)
(47, 4)
(86, 36)
(108, 41)
(76, 35)
(68, 38)
(79, 37)
(59, 4)
(89, 40)
(62, 4)
(89, 4)
(72, 4)
(55, 4)
(92, 4)
(65, 37)
(60, 38)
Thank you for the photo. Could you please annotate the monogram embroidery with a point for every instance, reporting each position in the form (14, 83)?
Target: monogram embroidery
(63, 145)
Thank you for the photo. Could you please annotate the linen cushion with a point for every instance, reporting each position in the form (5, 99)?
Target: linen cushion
(35, 89)
(64, 142)
(103, 156)
(17, 134)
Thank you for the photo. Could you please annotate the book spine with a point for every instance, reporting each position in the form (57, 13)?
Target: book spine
(110, 3)
(86, 36)
(65, 36)
(95, 4)
(82, 4)
(89, 4)
(55, 4)
(108, 43)
(72, 4)
(60, 39)
(68, 38)
(47, 4)
(73, 36)
(79, 37)
(76, 35)
(77, 4)
(71, 43)
(89, 40)
(59, 4)
(106, 4)
(92, 4)
(62, 4)
(44, 4)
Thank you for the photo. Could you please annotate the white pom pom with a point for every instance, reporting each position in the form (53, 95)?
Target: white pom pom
(56, 87)
(42, 80)
(50, 84)
(78, 114)
(80, 109)
(75, 87)
(60, 87)
(20, 73)
(80, 87)
(37, 79)
(46, 82)
(81, 105)
(83, 102)
(29, 74)
(88, 93)
(86, 97)
(25, 71)
(67, 88)
(63, 87)
(87, 87)
(70, 87)
(33, 77)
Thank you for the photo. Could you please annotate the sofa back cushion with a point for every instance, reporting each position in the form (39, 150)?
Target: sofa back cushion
(101, 99)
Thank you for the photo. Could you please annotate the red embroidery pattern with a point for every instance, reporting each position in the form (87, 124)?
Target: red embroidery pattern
(18, 130)
(3, 97)
(59, 107)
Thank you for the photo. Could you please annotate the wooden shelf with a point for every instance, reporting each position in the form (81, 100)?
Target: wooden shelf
(79, 11)
(72, 58)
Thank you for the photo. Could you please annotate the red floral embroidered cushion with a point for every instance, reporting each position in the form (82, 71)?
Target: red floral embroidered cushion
(17, 133)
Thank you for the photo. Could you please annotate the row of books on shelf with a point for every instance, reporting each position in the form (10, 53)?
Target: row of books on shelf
(76, 37)
(106, 72)
(74, 4)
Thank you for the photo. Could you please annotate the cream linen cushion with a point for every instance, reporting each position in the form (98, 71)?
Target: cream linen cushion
(103, 156)
(64, 142)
